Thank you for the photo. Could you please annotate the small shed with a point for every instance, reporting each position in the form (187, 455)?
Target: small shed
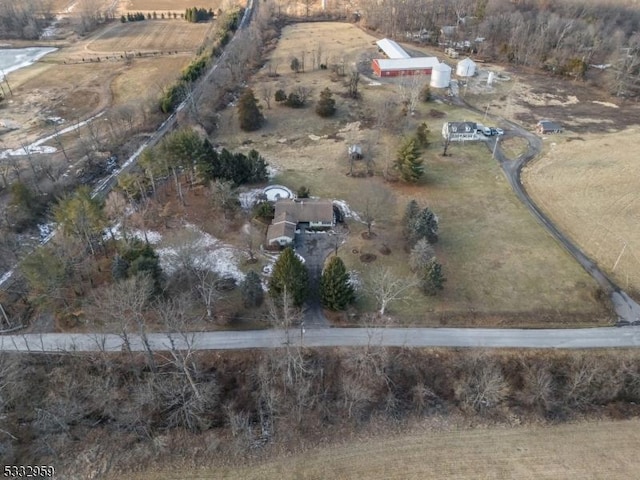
(547, 126)
(466, 68)
(441, 76)
(355, 152)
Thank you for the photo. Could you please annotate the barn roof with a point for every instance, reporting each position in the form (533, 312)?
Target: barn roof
(418, 63)
(392, 49)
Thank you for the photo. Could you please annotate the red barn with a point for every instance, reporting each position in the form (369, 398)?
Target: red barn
(396, 67)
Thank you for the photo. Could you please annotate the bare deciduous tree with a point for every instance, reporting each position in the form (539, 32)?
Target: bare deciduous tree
(388, 288)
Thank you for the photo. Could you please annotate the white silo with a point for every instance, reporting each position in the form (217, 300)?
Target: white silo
(441, 76)
(466, 68)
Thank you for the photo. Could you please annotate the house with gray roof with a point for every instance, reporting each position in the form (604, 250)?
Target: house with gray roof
(300, 213)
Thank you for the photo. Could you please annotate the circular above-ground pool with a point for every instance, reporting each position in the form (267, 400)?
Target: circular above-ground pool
(275, 192)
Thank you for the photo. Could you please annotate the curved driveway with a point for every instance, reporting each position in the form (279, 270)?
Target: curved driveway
(627, 310)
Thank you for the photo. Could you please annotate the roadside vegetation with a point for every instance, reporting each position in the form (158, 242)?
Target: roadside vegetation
(153, 409)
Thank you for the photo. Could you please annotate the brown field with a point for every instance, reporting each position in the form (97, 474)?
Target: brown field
(156, 35)
(173, 5)
(589, 185)
(589, 450)
(70, 83)
(502, 267)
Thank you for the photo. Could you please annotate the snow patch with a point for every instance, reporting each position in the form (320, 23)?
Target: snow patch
(606, 104)
(346, 210)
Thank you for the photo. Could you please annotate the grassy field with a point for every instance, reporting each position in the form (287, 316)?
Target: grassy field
(589, 186)
(153, 35)
(502, 267)
(590, 450)
(173, 5)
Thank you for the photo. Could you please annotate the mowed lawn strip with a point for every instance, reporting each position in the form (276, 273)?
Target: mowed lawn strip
(589, 450)
(500, 262)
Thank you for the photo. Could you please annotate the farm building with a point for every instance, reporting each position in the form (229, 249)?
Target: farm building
(441, 76)
(291, 215)
(547, 126)
(404, 66)
(466, 68)
(461, 132)
(391, 49)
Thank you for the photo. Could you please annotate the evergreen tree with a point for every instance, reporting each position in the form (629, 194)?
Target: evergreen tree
(250, 116)
(432, 279)
(424, 225)
(290, 274)
(251, 289)
(326, 106)
(422, 135)
(81, 216)
(336, 291)
(408, 161)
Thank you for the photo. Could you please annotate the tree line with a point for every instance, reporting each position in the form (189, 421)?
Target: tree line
(126, 410)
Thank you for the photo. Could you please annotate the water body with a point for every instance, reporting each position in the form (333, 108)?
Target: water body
(12, 59)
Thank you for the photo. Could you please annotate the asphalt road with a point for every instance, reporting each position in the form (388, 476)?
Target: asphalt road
(610, 337)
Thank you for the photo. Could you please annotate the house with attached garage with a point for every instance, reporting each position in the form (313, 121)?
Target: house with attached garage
(297, 214)
(462, 131)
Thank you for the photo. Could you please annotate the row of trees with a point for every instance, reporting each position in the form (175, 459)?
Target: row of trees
(134, 17)
(421, 232)
(196, 14)
(229, 403)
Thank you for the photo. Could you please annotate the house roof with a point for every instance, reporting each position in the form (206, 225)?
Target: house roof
(462, 127)
(418, 63)
(280, 230)
(305, 210)
(548, 124)
(392, 49)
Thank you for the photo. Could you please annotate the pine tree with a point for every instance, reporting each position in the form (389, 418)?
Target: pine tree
(423, 225)
(432, 279)
(326, 106)
(290, 274)
(250, 116)
(408, 161)
(251, 289)
(336, 291)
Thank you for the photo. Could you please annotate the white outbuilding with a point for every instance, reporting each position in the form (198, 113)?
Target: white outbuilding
(466, 68)
(440, 76)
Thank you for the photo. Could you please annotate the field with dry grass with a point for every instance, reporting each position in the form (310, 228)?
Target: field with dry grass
(589, 186)
(172, 5)
(589, 450)
(502, 267)
(152, 35)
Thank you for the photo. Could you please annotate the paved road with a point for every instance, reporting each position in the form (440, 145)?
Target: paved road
(331, 337)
